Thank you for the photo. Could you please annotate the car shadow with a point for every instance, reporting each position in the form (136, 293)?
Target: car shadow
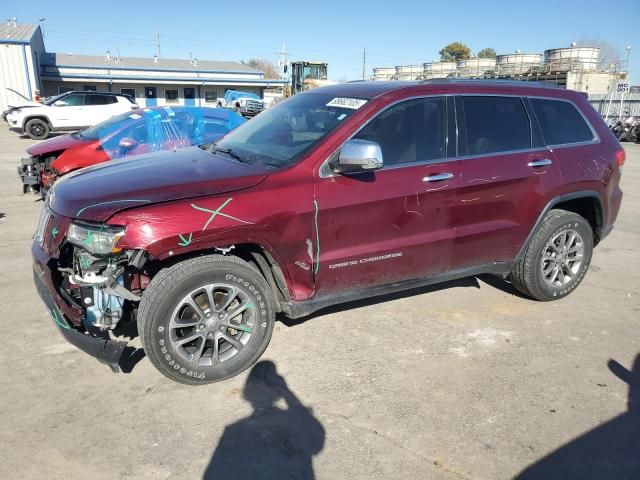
(365, 302)
(272, 443)
(609, 451)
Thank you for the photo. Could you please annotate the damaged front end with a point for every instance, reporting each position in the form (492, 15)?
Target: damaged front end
(37, 175)
(90, 287)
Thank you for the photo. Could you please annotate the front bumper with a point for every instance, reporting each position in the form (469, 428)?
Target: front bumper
(105, 350)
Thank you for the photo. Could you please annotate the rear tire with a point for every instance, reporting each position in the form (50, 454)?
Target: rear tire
(37, 129)
(206, 319)
(557, 257)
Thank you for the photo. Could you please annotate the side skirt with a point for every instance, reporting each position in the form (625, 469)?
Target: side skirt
(295, 309)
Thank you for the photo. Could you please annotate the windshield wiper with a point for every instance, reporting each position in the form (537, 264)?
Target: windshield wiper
(229, 152)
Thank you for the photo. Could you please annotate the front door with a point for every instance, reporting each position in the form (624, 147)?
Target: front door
(395, 223)
(151, 96)
(71, 114)
(506, 175)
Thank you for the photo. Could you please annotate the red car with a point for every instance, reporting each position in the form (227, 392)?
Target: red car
(335, 194)
(140, 131)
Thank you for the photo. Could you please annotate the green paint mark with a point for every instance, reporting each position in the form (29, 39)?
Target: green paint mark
(61, 322)
(315, 205)
(249, 305)
(90, 238)
(54, 232)
(185, 241)
(107, 203)
(243, 328)
(216, 212)
(84, 263)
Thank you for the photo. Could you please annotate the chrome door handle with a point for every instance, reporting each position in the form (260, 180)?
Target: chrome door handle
(539, 163)
(438, 177)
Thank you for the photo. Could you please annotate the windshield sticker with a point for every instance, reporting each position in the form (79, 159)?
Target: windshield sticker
(344, 102)
(135, 116)
(341, 117)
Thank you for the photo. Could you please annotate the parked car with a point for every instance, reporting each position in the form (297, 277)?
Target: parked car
(335, 194)
(128, 134)
(66, 112)
(250, 103)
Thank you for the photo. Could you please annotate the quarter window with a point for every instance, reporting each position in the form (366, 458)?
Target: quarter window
(409, 132)
(495, 124)
(560, 122)
(171, 95)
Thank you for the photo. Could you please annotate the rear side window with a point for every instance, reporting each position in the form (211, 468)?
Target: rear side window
(96, 99)
(410, 132)
(560, 122)
(495, 124)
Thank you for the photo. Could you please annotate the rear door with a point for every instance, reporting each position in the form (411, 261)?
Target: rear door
(97, 108)
(395, 223)
(507, 175)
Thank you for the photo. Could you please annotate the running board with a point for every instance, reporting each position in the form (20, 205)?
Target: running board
(294, 309)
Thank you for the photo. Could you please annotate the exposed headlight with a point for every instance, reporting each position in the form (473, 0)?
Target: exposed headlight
(101, 240)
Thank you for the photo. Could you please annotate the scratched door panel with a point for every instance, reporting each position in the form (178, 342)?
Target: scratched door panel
(385, 226)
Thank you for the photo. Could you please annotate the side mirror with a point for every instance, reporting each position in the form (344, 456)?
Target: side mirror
(358, 156)
(126, 142)
(60, 103)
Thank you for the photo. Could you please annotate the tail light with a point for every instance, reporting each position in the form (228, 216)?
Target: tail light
(621, 156)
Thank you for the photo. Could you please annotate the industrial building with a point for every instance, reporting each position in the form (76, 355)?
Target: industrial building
(574, 67)
(26, 66)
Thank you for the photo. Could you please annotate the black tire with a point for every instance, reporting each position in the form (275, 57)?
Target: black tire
(527, 275)
(167, 291)
(37, 129)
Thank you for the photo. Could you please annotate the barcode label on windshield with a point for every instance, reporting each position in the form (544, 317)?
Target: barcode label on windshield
(344, 102)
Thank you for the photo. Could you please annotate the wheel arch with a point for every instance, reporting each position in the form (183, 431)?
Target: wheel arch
(586, 203)
(37, 116)
(257, 255)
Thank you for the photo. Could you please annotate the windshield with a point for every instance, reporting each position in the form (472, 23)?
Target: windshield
(279, 136)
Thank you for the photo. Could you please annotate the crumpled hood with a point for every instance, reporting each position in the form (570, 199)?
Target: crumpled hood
(54, 144)
(96, 193)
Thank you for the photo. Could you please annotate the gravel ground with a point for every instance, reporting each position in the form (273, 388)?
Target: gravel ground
(464, 380)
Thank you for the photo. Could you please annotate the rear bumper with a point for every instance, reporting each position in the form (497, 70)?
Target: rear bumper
(105, 350)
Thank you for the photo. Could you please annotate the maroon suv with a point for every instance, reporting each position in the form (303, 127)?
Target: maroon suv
(336, 194)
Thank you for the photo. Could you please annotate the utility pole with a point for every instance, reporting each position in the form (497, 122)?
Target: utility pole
(364, 61)
(158, 41)
(282, 59)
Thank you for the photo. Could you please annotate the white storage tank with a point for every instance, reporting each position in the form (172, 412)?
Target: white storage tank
(476, 67)
(572, 58)
(438, 69)
(383, 73)
(517, 63)
(408, 72)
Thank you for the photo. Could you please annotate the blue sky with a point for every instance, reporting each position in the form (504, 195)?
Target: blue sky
(393, 32)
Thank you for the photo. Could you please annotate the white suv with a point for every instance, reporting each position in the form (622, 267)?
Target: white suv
(68, 111)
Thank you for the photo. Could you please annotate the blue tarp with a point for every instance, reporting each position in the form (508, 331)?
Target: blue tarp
(233, 95)
(161, 128)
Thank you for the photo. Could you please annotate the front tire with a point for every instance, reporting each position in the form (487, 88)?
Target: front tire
(37, 129)
(557, 257)
(206, 319)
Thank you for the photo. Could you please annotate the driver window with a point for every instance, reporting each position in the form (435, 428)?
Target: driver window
(74, 100)
(410, 132)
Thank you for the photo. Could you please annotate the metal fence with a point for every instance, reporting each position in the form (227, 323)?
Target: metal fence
(630, 103)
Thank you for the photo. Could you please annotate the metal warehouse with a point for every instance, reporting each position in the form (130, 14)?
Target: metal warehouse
(26, 66)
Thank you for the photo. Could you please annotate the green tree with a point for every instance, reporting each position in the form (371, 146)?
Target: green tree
(455, 51)
(487, 53)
